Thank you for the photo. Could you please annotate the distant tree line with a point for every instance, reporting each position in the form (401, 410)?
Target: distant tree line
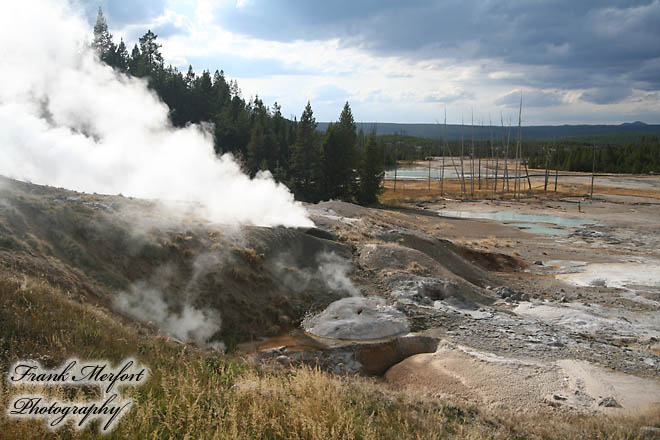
(338, 164)
(639, 157)
(636, 154)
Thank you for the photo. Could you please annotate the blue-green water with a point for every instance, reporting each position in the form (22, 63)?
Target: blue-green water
(539, 229)
(420, 173)
(528, 222)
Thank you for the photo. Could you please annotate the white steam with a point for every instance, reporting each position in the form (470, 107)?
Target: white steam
(67, 120)
(145, 300)
(145, 303)
(334, 271)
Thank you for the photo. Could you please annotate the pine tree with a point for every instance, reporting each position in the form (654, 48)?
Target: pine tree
(190, 77)
(305, 157)
(221, 94)
(135, 63)
(121, 58)
(340, 158)
(150, 50)
(371, 172)
(280, 133)
(201, 97)
(102, 42)
(232, 127)
(256, 149)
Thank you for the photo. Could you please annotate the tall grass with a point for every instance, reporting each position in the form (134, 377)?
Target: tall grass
(199, 394)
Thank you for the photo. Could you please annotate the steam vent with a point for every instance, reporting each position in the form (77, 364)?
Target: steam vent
(358, 318)
(442, 227)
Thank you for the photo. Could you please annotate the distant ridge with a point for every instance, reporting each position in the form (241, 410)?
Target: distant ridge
(540, 132)
(636, 124)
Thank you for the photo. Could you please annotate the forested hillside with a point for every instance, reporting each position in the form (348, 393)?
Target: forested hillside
(438, 131)
(639, 156)
(321, 161)
(316, 166)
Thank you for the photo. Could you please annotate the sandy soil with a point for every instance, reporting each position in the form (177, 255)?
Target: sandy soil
(578, 320)
(463, 375)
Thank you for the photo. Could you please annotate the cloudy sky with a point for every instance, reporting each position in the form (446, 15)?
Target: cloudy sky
(576, 61)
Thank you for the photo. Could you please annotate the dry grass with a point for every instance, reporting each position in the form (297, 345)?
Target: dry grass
(195, 394)
(249, 255)
(354, 233)
(417, 191)
(637, 192)
(488, 243)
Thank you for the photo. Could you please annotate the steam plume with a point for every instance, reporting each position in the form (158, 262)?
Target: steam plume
(334, 271)
(146, 303)
(67, 120)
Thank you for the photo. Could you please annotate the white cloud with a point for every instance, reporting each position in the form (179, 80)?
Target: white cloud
(503, 74)
(428, 74)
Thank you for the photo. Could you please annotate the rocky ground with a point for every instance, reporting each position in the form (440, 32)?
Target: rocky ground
(524, 320)
(528, 313)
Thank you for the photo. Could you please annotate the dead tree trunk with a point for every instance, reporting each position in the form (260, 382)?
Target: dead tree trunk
(593, 168)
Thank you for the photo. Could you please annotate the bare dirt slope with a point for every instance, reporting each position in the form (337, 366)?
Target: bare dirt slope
(262, 281)
(517, 332)
(257, 281)
(493, 294)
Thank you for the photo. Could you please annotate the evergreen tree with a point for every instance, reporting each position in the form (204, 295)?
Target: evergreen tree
(135, 64)
(305, 166)
(256, 149)
(150, 50)
(371, 172)
(281, 137)
(221, 94)
(190, 77)
(232, 127)
(173, 92)
(262, 146)
(102, 42)
(121, 58)
(330, 155)
(204, 94)
(340, 158)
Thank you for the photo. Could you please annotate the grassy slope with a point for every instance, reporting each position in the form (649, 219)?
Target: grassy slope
(196, 394)
(52, 308)
(82, 247)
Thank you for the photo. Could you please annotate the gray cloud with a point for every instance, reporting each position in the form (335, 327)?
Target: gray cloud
(583, 44)
(557, 30)
(609, 95)
(649, 74)
(602, 47)
(531, 98)
(448, 97)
